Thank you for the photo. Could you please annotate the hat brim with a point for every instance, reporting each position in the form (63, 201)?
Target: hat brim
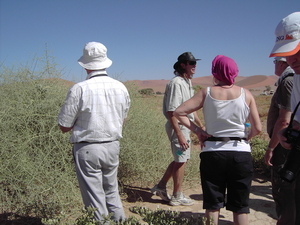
(285, 48)
(178, 62)
(191, 60)
(95, 64)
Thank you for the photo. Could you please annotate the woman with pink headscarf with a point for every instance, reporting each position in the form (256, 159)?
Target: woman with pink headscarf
(226, 162)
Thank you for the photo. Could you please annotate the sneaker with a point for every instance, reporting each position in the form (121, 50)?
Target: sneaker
(181, 200)
(161, 193)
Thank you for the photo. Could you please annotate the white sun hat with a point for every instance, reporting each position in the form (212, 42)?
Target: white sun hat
(287, 36)
(94, 57)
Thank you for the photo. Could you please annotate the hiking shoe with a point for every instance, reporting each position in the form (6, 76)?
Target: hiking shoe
(181, 200)
(161, 193)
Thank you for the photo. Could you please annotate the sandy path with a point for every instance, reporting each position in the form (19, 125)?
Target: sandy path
(262, 206)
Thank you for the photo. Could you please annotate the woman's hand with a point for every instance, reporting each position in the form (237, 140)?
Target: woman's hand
(202, 136)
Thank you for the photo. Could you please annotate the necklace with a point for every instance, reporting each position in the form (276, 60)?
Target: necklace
(222, 86)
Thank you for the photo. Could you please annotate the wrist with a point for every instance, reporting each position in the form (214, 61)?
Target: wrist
(270, 149)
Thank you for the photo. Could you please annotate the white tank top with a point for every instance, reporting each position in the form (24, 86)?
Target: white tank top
(226, 118)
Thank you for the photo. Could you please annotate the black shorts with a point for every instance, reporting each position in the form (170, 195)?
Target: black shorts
(231, 170)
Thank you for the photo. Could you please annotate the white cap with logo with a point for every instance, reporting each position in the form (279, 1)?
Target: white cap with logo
(287, 36)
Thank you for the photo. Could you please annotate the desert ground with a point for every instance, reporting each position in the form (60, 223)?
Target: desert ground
(262, 206)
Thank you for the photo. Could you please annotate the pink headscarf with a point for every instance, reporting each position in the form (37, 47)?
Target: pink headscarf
(224, 69)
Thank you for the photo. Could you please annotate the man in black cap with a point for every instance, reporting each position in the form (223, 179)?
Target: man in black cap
(178, 90)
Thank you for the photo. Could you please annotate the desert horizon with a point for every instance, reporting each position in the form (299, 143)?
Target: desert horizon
(256, 83)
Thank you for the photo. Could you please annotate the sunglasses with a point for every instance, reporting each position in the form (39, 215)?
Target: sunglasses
(192, 63)
(276, 61)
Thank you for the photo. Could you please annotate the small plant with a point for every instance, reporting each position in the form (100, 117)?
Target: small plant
(268, 88)
(88, 219)
(197, 88)
(163, 217)
(258, 146)
(146, 91)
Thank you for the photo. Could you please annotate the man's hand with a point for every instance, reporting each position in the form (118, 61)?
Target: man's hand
(268, 157)
(184, 145)
(65, 129)
(283, 139)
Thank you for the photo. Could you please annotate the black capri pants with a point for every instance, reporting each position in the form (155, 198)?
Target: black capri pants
(226, 170)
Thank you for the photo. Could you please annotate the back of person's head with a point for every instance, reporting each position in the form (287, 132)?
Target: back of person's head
(183, 58)
(94, 57)
(287, 35)
(224, 69)
(178, 69)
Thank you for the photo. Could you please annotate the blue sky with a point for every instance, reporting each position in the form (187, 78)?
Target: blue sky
(143, 37)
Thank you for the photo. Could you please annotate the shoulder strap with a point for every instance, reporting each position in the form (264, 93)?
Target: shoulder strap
(289, 75)
(242, 91)
(99, 75)
(208, 90)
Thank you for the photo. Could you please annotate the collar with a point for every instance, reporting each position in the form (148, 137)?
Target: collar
(284, 74)
(186, 79)
(96, 72)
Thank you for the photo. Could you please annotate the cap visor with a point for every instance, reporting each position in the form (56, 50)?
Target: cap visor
(285, 49)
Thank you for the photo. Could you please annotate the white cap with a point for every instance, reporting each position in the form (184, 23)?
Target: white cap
(287, 36)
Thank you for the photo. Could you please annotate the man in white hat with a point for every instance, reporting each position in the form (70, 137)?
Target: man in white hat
(278, 118)
(95, 110)
(288, 45)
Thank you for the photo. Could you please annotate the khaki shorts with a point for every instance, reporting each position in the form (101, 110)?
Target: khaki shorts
(175, 146)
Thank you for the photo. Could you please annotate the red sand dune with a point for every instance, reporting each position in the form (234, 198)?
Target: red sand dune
(256, 83)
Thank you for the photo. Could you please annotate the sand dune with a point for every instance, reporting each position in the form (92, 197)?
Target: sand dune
(256, 83)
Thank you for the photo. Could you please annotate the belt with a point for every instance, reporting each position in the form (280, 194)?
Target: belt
(224, 139)
(99, 142)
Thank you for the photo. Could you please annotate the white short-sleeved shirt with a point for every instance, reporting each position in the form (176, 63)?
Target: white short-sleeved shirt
(96, 109)
(178, 90)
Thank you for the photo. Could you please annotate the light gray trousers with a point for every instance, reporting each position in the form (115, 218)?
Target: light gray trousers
(96, 168)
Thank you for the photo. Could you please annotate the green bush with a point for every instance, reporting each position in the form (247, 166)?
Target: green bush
(259, 146)
(146, 91)
(145, 148)
(36, 174)
(144, 141)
